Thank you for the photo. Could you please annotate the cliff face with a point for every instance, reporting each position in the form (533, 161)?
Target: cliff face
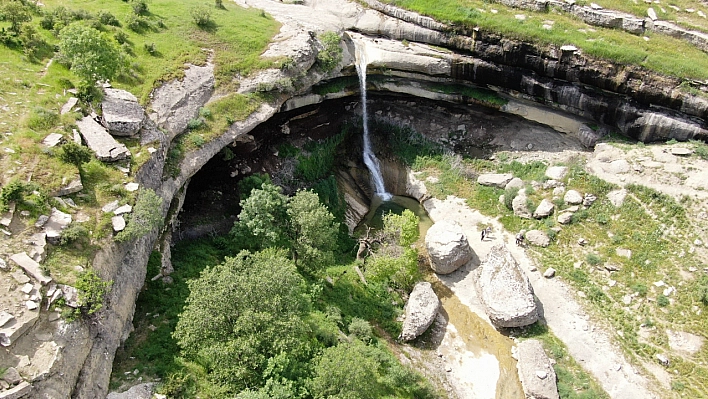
(639, 104)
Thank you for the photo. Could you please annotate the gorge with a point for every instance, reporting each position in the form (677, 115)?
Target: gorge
(467, 91)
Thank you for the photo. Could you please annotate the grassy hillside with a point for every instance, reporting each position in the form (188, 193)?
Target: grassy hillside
(657, 52)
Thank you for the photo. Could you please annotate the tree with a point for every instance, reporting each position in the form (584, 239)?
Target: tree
(92, 54)
(300, 224)
(313, 230)
(16, 14)
(243, 312)
(75, 154)
(345, 371)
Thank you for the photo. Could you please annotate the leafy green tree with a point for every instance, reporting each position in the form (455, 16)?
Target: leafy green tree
(243, 312)
(92, 54)
(401, 229)
(75, 154)
(313, 230)
(345, 371)
(16, 14)
(300, 224)
(92, 290)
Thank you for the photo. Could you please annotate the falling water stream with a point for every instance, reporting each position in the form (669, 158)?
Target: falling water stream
(372, 163)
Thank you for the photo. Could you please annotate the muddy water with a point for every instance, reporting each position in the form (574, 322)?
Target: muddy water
(480, 338)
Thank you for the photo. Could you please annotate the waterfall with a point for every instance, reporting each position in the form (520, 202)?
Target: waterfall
(372, 163)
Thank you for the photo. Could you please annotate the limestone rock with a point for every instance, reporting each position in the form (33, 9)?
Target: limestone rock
(118, 223)
(681, 151)
(652, 14)
(110, 207)
(66, 108)
(684, 342)
(448, 248)
(11, 376)
(589, 199)
(545, 208)
(589, 137)
(617, 197)
(57, 222)
(495, 179)
(140, 391)
(122, 114)
(421, 309)
(5, 318)
(53, 139)
(549, 273)
(556, 172)
(73, 187)
(100, 142)
(573, 197)
(520, 207)
(538, 238)
(505, 290)
(176, 102)
(123, 209)
(565, 218)
(514, 183)
(19, 391)
(30, 267)
(536, 371)
(71, 295)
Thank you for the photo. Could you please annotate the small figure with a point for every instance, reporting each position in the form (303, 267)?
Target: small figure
(520, 239)
(486, 232)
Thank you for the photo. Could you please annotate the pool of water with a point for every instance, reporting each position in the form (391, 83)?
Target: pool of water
(397, 204)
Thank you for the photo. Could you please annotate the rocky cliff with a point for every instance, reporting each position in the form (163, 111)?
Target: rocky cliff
(639, 104)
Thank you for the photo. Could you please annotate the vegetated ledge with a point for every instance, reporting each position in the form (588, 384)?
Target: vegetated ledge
(550, 76)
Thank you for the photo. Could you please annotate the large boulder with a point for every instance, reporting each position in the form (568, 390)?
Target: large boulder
(100, 142)
(520, 205)
(535, 371)
(573, 197)
(545, 208)
(448, 248)
(122, 115)
(499, 180)
(505, 290)
(421, 309)
(538, 238)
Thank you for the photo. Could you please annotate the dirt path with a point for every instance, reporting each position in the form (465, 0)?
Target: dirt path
(589, 344)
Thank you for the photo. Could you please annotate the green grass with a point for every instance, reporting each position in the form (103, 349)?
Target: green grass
(661, 53)
(486, 97)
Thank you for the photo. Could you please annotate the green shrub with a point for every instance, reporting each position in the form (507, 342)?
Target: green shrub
(640, 288)
(146, 215)
(14, 191)
(139, 7)
(201, 16)
(75, 232)
(593, 259)
(42, 119)
(701, 149)
(75, 154)
(150, 48)
(361, 329)
(662, 301)
(331, 53)
(195, 123)
(287, 150)
(197, 140)
(121, 37)
(320, 161)
(92, 289)
(219, 4)
(509, 195)
(204, 112)
(107, 18)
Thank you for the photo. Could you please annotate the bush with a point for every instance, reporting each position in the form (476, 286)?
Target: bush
(75, 154)
(331, 54)
(205, 112)
(197, 140)
(219, 4)
(195, 123)
(106, 18)
(360, 329)
(146, 215)
(140, 7)
(593, 259)
(509, 195)
(640, 289)
(42, 119)
(121, 37)
(73, 233)
(201, 16)
(137, 23)
(14, 191)
(92, 290)
(150, 48)
(662, 301)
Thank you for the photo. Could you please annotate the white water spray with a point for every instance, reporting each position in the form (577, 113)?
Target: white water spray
(372, 163)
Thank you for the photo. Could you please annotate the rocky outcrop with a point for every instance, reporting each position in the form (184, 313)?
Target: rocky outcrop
(504, 289)
(498, 180)
(544, 209)
(447, 246)
(100, 142)
(536, 372)
(520, 205)
(538, 238)
(122, 115)
(140, 391)
(176, 102)
(421, 309)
